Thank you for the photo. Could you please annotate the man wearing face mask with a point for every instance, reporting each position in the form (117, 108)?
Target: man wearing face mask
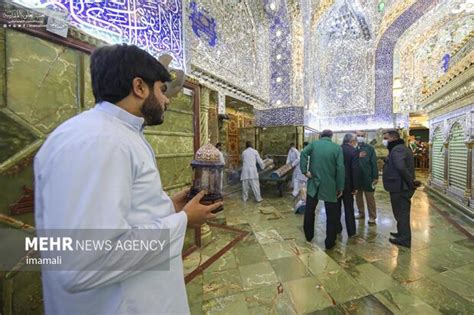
(399, 181)
(97, 171)
(351, 165)
(368, 178)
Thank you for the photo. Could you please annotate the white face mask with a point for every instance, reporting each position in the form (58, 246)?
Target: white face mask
(360, 139)
(385, 142)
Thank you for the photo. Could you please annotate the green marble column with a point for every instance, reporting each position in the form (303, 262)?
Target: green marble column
(223, 132)
(206, 233)
(42, 80)
(213, 127)
(258, 146)
(204, 115)
(299, 137)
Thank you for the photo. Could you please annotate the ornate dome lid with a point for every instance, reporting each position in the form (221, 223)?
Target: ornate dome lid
(207, 155)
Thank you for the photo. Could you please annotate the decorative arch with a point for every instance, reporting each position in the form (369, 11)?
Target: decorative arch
(437, 153)
(380, 113)
(457, 153)
(433, 129)
(384, 56)
(462, 122)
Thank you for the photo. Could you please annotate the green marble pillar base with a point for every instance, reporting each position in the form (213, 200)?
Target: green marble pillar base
(206, 234)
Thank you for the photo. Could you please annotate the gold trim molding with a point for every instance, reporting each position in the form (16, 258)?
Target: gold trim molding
(168, 133)
(457, 70)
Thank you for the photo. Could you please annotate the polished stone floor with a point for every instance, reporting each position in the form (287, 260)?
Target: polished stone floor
(274, 270)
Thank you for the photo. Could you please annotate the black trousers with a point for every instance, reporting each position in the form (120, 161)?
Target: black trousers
(348, 199)
(401, 205)
(331, 220)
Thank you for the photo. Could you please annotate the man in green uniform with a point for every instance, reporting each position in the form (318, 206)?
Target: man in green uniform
(326, 176)
(368, 178)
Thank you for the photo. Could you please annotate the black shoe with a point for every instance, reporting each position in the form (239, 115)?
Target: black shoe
(329, 246)
(396, 241)
(394, 234)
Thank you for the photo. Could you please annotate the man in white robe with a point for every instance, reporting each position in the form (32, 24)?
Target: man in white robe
(221, 155)
(293, 158)
(97, 171)
(249, 176)
(299, 180)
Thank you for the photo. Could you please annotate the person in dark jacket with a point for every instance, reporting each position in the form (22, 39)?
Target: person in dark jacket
(351, 164)
(399, 181)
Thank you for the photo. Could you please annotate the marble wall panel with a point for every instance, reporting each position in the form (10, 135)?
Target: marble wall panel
(27, 293)
(246, 134)
(13, 137)
(170, 144)
(42, 80)
(175, 122)
(12, 191)
(175, 171)
(89, 100)
(182, 102)
(276, 140)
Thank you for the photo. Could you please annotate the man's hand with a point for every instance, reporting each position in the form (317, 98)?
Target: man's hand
(308, 174)
(339, 194)
(362, 154)
(375, 181)
(180, 199)
(198, 213)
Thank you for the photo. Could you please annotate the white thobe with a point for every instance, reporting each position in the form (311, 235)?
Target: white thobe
(221, 157)
(299, 180)
(97, 171)
(293, 156)
(249, 176)
(222, 160)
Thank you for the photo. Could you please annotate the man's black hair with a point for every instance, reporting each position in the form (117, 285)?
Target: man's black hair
(292, 144)
(248, 144)
(393, 133)
(113, 69)
(218, 144)
(305, 143)
(326, 133)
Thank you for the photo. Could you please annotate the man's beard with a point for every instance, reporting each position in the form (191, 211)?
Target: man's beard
(152, 111)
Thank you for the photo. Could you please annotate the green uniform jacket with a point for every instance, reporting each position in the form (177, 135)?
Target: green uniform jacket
(326, 164)
(368, 167)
